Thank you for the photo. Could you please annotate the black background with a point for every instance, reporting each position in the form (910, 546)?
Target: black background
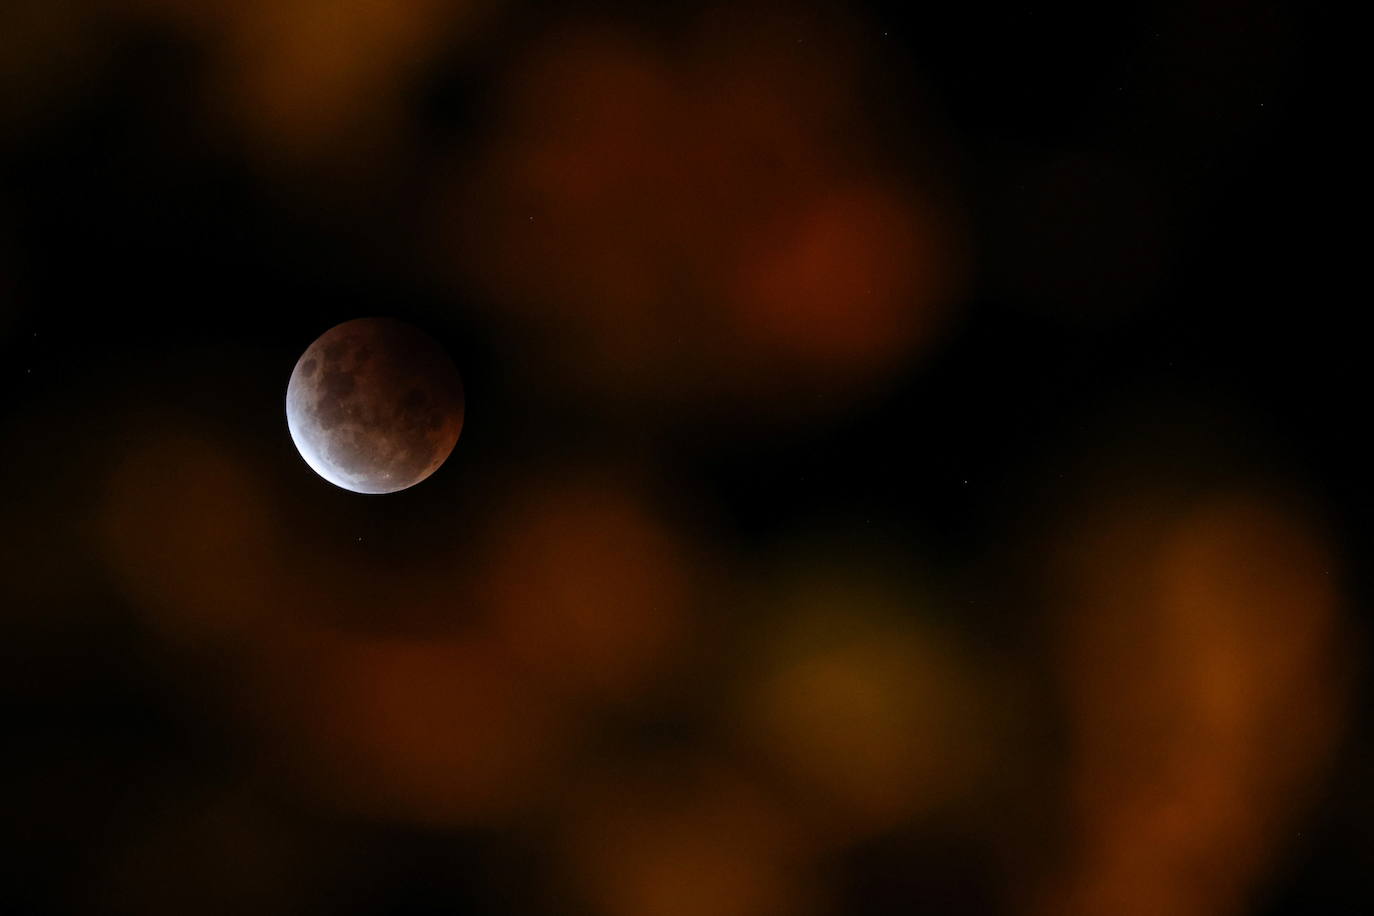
(146, 261)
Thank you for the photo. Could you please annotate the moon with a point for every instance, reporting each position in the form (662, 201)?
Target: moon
(374, 405)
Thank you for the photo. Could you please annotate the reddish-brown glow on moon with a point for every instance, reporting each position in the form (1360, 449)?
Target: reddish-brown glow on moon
(374, 405)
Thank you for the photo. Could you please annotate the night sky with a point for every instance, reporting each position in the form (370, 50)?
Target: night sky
(908, 463)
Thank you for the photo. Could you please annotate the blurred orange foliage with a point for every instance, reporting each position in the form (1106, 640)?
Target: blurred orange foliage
(1203, 674)
(585, 587)
(705, 218)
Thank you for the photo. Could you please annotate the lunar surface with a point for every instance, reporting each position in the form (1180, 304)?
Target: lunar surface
(374, 405)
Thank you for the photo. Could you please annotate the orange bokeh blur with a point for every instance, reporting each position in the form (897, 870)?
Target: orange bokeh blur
(689, 838)
(585, 586)
(702, 219)
(297, 81)
(188, 532)
(433, 731)
(1203, 672)
(443, 691)
(869, 714)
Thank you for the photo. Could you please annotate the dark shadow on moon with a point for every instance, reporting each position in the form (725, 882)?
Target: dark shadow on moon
(375, 405)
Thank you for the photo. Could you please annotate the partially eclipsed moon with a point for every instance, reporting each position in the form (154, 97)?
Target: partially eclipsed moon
(374, 405)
